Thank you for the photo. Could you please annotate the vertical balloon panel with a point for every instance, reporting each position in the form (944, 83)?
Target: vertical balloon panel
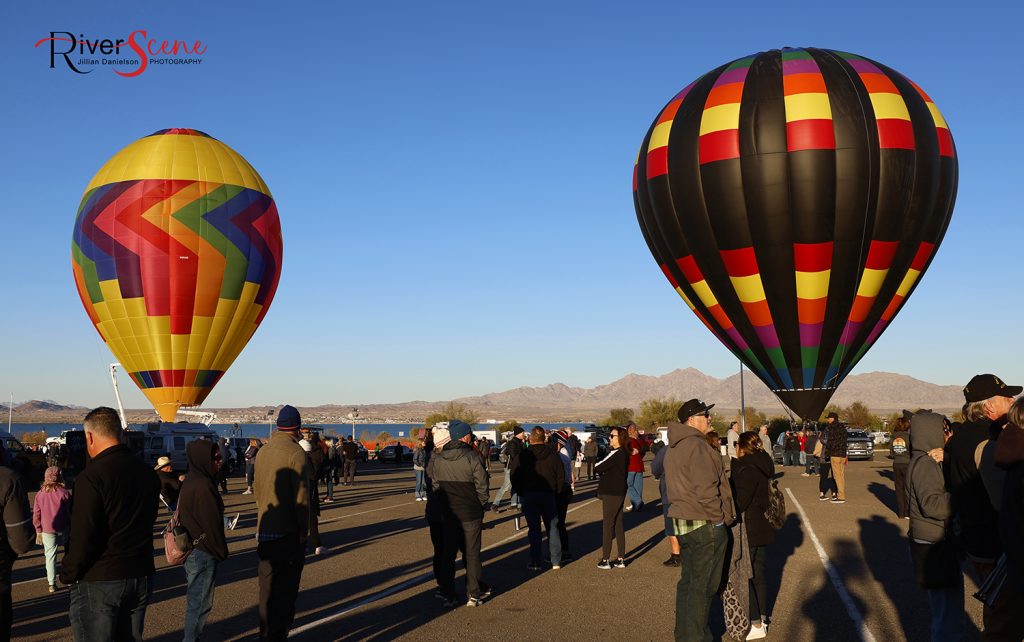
(176, 253)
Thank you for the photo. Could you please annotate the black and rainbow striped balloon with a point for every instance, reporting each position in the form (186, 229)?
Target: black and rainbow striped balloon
(794, 198)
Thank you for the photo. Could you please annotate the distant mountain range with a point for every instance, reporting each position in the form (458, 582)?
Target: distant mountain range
(882, 392)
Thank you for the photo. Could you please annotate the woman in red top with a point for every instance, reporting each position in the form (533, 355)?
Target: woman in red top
(802, 438)
(635, 476)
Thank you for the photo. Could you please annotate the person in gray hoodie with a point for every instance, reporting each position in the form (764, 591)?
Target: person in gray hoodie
(936, 567)
(701, 508)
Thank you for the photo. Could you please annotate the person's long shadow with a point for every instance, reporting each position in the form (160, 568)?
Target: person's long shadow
(887, 557)
(787, 539)
(824, 610)
(886, 495)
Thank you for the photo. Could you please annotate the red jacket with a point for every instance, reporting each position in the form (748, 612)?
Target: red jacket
(636, 462)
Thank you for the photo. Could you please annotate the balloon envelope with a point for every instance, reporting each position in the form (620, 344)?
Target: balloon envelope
(793, 199)
(176, 254)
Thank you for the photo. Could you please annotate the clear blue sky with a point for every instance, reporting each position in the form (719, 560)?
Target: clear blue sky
(453, 181)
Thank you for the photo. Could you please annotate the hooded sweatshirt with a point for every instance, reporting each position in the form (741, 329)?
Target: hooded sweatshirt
(200, 508)
(695, 478)
(930, 504)
(976, 516)
(537, 469)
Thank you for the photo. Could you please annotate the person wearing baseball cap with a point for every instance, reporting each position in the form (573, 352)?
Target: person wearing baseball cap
(977, 490)
(282, 492)
(170, 483)
(461, 480)
(700, 505)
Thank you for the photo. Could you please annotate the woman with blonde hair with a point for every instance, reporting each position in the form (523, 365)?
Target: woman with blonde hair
(51, 515)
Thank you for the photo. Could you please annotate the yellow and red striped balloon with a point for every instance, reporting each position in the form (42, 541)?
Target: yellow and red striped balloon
(176, 254)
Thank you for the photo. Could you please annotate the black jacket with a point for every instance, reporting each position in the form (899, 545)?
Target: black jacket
(200, 508)
(537, 469)
(972, 509)
(750, 479)
(170, 486)
(835, 440)
(460, 482)
(112, 521)
(612, 471)
(17, 535)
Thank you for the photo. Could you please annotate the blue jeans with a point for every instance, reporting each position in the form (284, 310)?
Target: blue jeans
(200, 569)
(812, 465)
(421, 490)
(537, 507)
(506, 486)
(330, 484)
(635, 489)
(947, 607)
(110, 610)
(701, 557)
(50, 543)
(250, 470)
(789, 458)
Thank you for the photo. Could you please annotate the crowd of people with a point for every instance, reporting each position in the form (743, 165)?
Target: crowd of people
(960, 485)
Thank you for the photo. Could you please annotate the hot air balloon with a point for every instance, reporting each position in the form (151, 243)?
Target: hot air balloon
(176, 254)
(794, 198)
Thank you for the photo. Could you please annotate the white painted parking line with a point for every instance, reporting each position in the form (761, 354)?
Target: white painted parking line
(374, 510)
(401, 586)
(833, 575)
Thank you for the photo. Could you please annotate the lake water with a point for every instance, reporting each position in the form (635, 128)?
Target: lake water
(363, 432)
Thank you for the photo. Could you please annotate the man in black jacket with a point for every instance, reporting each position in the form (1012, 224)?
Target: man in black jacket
(201, 511)
(109, 558)
(835, 452)
(537, 476)
(510, 450)
(16, 537)
(987, 401)
(461, 490)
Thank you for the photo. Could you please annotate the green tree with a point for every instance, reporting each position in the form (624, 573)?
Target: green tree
(776, 427)
(619, 417)
(655, 413)
(508, 426)
(754, 418)
(857, 415)
(433, 419)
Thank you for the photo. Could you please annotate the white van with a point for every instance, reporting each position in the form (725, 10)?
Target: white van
(170, 440)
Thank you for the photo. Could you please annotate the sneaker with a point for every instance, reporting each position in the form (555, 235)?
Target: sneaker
(757, 632)
(627, 509)
(555, 567)
(451, 602)
(53, 588)
(485, 591)
(822, 498)
(533, 567)
(328, 500)
(604, 565)
(474, 601)
(619, 563)
(805, 474)
(320, 550)
(673, 560)
(836, 500)
(247, 491)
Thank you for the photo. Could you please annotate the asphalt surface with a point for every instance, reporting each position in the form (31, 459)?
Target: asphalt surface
(835, 572)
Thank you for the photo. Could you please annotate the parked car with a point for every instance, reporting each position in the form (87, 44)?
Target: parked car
(362, 454)
(881, 437)
(387, 453)
(859, 445)
(29, 463)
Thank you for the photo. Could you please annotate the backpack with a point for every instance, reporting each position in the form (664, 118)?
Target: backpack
(776, 511)
(177, 542)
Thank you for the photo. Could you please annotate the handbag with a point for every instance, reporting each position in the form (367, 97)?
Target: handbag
(776, 511)
(177, 542)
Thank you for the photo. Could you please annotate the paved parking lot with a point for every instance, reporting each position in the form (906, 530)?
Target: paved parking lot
(834, 573)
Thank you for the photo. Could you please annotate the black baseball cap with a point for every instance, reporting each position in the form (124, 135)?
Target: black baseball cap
(832, 415)
(691, 408)
(986, 386)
